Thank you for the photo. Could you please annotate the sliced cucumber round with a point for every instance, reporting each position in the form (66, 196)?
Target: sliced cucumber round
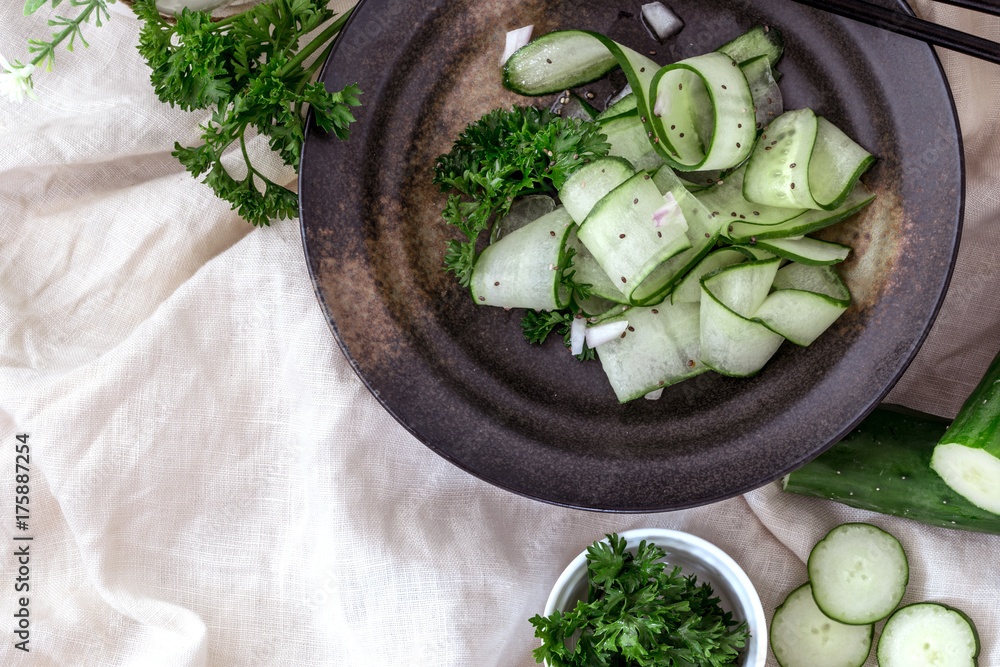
(928, 635)
(802, 636)
(858, 573)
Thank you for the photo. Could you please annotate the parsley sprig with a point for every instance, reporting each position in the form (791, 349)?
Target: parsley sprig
(639, 614)
(251, 70)
(504, 155)
(66, 27)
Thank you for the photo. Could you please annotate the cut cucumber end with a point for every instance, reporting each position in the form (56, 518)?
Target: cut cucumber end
(858, 573)
(928, 635)
(971, 472)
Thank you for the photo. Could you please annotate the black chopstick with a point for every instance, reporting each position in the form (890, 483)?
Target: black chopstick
(910, 26)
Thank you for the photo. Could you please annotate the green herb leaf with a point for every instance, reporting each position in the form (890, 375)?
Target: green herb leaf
(538, 324)
(506, 154)
(250, 70)
(69, 28)
(639, 614)
(459, 259)
(32, 6)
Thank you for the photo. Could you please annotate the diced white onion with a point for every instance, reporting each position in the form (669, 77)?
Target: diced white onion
(515, 40)
(602, 333)
(577, 335)
(654, 395)
(661, 20)
(669, 212)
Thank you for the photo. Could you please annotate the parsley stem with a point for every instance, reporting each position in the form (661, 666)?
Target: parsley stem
(312, 46)
(47, 49)
(222, 23)
(251, 172)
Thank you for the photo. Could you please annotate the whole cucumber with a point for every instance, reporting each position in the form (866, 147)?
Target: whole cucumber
(884, 466)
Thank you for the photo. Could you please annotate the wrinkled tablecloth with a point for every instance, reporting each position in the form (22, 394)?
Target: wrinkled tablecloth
(210, 483)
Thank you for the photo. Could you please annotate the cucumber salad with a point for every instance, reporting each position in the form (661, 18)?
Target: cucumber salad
(666, 235)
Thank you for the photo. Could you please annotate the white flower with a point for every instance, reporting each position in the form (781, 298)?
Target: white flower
(15, 81)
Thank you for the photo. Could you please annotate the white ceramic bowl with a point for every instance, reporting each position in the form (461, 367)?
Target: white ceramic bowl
(695, 556)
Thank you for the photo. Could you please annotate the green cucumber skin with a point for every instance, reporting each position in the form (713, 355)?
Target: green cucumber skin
(748, 46)
(977, 424)
(883, 465)
(594, 73)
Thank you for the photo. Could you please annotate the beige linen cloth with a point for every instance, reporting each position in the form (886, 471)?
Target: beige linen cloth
(212, 485)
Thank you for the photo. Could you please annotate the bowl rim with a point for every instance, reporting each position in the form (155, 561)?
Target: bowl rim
(756, 649)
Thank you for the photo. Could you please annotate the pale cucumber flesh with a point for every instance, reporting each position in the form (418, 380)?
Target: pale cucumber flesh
(798, 315)
(778, 171)
(628, 140)
(659, 348)
(927, 635)
(590, 183)
(621, 234)
(802, 636)
(972, 472)
(807, 250)
(810, 221)
(689, 289)
(557, 61)
(732, 344)
(703, 108)
(858, 573)
(586, 271)
(521, 269)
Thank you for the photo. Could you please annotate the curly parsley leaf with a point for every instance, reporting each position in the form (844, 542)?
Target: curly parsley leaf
(638, 613)
(537, 325)
(459, 259)
(507, 154)
(250, 70)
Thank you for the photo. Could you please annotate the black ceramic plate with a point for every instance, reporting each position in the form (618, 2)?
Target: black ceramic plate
(532, 419)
